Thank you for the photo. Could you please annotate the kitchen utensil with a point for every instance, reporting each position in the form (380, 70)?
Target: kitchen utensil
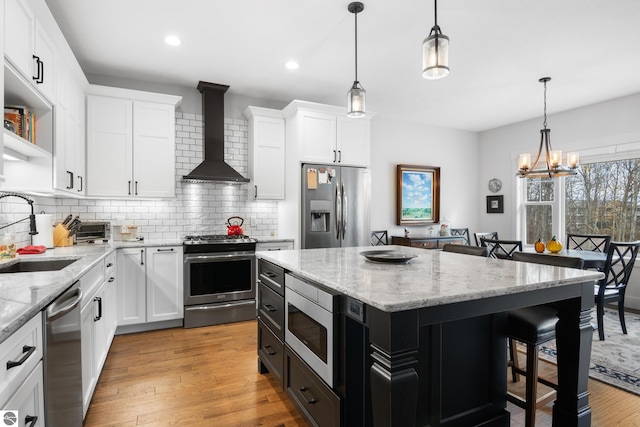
(74, 226)
(235, 229)
(67, 220)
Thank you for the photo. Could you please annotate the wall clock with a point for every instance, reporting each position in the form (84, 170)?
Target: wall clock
(495, 185)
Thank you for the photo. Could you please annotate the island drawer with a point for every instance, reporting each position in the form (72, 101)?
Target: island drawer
(272, 276)
(316, 402)
(271, 310)
(271, 352)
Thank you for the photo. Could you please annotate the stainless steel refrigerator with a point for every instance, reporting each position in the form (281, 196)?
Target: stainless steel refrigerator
(336, 208)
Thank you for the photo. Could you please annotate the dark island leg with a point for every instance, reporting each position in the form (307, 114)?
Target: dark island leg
(573, 337)
(394, 380)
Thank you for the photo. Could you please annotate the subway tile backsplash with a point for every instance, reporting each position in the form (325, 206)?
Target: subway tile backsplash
(198, 208)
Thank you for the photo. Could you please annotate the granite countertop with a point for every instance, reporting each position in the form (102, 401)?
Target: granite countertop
(23, 295)
(432, 278)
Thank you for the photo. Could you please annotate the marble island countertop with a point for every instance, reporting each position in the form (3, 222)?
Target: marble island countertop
(432, 278)
(23, 295)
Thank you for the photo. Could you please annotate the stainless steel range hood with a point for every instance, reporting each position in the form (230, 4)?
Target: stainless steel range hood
(213, 168)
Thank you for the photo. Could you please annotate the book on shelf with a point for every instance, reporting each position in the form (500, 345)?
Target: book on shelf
(21, 121)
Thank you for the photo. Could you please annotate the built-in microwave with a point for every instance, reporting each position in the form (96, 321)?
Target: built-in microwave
(311, 331)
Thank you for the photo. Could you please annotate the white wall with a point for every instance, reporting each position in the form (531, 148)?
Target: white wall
(454, 151)
(607, 127)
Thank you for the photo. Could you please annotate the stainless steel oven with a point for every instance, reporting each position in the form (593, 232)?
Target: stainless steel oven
(219, 282)
(311, 326)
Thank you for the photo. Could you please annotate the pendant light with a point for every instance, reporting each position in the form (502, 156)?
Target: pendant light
(553, 158)
(356, 95)
(435, 52)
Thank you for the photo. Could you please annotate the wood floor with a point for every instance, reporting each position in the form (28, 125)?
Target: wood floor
(208, 377)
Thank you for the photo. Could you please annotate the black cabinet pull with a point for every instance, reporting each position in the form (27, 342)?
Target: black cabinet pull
(270, 352)
(334, 156)
(28, 351)
(339, 156)
(141, 256)
(81, 183)
(110, 265)
(70, 186)
(255, 194)
(270, 308)
(111, 279)
(269, 274)
(39, 77)
(136, 188)
(30, 420)
(165, 250)
(313, 399)
(99, 316)
(129, 187)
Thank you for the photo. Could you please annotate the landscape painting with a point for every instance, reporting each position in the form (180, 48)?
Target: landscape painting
(418, 198)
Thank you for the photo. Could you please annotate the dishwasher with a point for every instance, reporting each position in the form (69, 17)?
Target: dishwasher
(63, 359)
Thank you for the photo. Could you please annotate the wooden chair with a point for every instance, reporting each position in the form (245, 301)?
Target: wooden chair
(464, 232)
(588, 242)
(379, 238)
(533, 326)
(621, 257)
(464, 249)
(489, 235)
(503, 249)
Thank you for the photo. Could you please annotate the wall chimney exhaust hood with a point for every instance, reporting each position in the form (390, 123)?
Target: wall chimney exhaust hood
(213, 168)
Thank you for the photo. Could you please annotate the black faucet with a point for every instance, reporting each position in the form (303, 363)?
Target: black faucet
(31, 218)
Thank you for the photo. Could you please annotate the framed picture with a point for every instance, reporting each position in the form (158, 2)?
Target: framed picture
(495, 204)
(418, 197)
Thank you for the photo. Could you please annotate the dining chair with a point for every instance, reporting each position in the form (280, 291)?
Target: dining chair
(464, 232)
(503, 249)
(379, 238)
(533, 326)
(621, 256)
(487, 235)
(588, 242)
(464, 249)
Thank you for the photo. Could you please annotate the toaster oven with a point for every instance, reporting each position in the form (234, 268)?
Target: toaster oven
(91, 232)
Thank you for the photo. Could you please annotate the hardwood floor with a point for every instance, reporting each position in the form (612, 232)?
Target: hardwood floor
(208, 377)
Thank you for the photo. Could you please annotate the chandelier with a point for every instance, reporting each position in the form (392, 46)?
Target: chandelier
(553, 158)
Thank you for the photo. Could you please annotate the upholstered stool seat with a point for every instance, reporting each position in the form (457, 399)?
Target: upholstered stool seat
(532, 325)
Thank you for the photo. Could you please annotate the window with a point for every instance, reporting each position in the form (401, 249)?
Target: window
(602, 198)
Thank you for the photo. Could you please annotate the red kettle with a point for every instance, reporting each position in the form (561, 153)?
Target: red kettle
(235, 229)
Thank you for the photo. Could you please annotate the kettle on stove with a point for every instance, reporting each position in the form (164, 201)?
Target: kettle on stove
(234, 228)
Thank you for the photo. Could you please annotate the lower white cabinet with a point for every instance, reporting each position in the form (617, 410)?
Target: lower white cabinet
(281, 245)
(150, 285)
(29, 399)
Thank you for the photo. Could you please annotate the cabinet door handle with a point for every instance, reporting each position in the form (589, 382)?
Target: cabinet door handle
(30, 420)
(255, 194)
(39, 77)
(136, 188)
(339, 156)
(334, 156)
(270, 308)
(81, 183)
(27, 351)
(110, 265)
(111, 279)
(141, 256)
(165, 250)
(309, 401)
(270, 352)
(70, 186)
(99, 316)
(129, 187)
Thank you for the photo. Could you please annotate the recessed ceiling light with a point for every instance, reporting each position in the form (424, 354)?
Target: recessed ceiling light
(292, 65)
(172, 40)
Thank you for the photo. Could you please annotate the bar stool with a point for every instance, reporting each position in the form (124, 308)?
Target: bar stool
(533, 326)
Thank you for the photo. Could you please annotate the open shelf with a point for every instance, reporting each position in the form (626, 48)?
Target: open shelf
(20, 145)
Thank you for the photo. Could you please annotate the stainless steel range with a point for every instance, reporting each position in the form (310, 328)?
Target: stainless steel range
(219, 279)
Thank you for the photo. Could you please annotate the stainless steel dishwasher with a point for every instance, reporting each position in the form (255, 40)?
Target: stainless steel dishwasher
(62, 360)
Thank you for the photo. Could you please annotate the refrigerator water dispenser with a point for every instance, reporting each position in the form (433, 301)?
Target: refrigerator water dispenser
(320, 211)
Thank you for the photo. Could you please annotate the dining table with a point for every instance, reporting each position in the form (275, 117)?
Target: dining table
(592, 259)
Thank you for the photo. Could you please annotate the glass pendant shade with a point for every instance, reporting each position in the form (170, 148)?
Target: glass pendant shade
(356, 101)
(435, 55)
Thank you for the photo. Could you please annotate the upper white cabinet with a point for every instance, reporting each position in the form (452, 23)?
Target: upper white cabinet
(266, 153)
(324, 134)
(130, 143)
(28, 47)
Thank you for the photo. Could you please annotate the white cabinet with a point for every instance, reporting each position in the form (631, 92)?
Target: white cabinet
(266, 153)
(29, 48)
(149, 284)
(28, 401)
(324, 134)
(280, 245)
(130, 143)
(69, 161)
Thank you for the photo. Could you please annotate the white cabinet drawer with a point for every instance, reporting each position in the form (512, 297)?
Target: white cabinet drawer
(19, 354)
(274, 246)
(29, 399)
(91, 280)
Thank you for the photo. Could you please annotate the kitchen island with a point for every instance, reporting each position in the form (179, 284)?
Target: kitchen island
(431, 333)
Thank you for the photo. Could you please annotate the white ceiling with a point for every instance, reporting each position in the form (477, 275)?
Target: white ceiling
(498, 51)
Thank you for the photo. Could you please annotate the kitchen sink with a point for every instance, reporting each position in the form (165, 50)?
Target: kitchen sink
(33, 266)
